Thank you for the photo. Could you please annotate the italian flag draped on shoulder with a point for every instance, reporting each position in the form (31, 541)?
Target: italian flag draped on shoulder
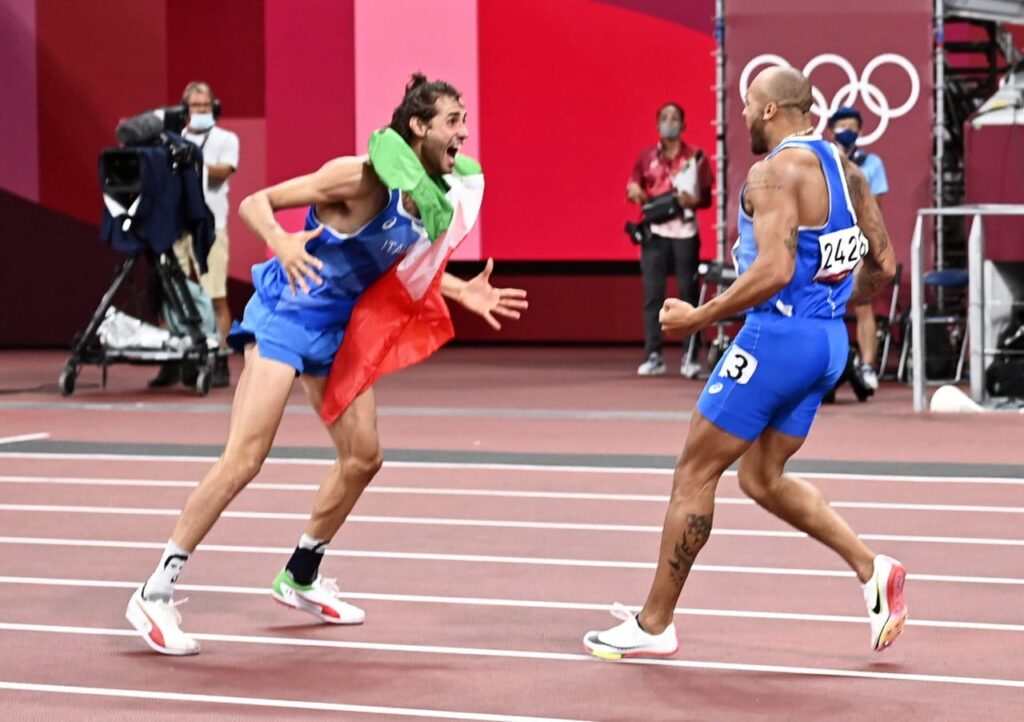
(402, 318)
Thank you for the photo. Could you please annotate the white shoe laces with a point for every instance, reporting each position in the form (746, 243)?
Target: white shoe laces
(330, 586)
(171, 605)
(621, 612)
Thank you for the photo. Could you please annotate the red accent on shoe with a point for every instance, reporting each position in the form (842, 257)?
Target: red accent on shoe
(329, 612)
(154, 631)
(894, 591)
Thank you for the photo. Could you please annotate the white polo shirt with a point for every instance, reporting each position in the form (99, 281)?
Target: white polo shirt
(219, 146)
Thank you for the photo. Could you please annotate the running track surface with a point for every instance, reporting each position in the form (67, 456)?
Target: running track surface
(522, 495)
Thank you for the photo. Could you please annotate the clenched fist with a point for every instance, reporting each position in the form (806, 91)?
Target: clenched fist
(678, 317)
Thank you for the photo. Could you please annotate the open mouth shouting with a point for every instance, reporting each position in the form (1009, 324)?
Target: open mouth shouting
(449, 153)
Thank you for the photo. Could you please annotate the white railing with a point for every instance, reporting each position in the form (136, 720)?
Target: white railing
(975, 292)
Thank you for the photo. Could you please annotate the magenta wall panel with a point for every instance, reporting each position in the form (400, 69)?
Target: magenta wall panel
(19, 132)
(220, 42)
(310, 84)
(568, 96)
(97, 63)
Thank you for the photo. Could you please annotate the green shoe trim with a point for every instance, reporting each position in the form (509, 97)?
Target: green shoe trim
(284, 578)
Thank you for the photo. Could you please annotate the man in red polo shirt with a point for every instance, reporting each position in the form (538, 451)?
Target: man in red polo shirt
(673, 245)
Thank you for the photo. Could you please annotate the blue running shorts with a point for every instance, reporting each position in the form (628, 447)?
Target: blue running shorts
(283, 337)
(775, 374)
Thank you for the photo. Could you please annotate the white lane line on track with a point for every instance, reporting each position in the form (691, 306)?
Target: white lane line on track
(529, 655)
(383, 488)
(517, 603)
(24, 437)
(493, 524)
(484, 559)
(480, 466)
(290, 704)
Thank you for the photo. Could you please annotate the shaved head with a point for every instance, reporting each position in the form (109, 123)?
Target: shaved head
(777, 104)
(787, 87)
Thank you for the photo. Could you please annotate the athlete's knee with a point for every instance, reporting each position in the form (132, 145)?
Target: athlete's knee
(240, 466)
(693, 478)
(756, 484)
(362, 465)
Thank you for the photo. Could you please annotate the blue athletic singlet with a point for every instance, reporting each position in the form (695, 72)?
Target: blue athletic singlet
(826, 256)
(794, 346)
(305, 330)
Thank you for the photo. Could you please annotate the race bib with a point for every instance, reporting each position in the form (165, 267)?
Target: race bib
(841, 251)
(738, 365)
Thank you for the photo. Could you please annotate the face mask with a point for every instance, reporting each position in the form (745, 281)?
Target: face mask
(669, 131)
(846, 138)
(200, 121)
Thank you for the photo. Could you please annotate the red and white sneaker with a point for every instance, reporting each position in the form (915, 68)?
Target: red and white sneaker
(887, 610)
(628, 640)
(319, 599)
(159, 623)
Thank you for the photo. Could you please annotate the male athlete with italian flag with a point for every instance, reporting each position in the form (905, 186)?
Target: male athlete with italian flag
(356, 294)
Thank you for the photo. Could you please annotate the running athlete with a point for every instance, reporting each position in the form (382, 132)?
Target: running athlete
(811, 239)
(356, 230)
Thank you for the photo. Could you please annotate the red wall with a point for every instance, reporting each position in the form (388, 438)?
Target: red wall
(84, 92)
(220, 42)
(310, 84)
(568, 96)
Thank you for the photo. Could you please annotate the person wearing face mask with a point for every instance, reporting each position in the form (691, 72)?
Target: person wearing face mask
(220, 161)
(845, 125)
(673, 245)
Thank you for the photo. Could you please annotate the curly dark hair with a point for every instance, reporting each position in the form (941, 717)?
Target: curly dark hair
(419, 100)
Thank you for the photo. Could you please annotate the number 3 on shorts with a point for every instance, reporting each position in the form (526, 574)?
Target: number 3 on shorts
(738, 365)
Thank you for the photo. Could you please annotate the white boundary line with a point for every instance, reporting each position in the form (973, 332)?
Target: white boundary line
(519, 603)
(383, 488)
(494, 524)
(479, 466)
(24, 437)
(483, 559)
(290, 704)
(530, 655)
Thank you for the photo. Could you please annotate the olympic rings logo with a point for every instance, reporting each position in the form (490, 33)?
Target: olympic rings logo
(874, 98)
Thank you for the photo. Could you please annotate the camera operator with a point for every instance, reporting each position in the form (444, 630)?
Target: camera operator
(220, 160)
(670, 181)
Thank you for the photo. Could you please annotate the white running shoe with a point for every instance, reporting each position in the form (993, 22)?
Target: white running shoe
(159, 623)
(870, 376)
(653, 366)
(319, 599)
(887, 610)
(689, 369)
(628, 640)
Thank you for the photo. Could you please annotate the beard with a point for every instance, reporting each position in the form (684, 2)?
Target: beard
(758, 138)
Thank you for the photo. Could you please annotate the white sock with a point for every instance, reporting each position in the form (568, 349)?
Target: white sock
(308, 542)
(160, 584)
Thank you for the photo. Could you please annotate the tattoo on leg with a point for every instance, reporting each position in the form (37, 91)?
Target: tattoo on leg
(698, 529)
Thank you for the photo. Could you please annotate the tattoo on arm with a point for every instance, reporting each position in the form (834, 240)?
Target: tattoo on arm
(855, 182)
(698, 529)
(764, 185)
(792, 241)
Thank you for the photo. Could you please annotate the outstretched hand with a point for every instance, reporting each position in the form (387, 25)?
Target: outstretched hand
(480, 297)
(300, 266)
